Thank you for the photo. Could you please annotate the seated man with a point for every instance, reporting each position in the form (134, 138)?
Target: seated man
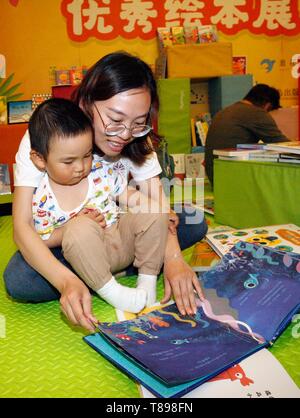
(244, 122)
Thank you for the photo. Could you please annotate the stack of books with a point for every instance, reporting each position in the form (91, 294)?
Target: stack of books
(289, 152)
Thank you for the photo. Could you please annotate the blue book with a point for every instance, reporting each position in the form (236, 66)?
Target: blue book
(258, 289)
(251, 146)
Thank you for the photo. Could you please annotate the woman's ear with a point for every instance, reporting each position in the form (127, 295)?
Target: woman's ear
(38, 160)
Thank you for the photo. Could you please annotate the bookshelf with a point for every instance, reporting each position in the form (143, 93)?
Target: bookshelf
(208, 63)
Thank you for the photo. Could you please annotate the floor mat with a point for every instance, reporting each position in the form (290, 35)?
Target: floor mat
(41, 355)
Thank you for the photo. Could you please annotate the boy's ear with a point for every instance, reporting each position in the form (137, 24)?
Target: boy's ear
(38, 160)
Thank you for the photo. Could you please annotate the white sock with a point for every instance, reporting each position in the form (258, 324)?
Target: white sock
(122, 297)
(148, 283)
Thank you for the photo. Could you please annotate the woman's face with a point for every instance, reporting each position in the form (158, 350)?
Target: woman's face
(130, 108)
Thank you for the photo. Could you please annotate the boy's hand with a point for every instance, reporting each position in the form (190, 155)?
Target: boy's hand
(76, 304)
(93, 214)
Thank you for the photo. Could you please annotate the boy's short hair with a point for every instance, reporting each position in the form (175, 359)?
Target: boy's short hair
(56, 118)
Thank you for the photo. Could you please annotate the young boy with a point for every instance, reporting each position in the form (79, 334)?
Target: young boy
(74, 207)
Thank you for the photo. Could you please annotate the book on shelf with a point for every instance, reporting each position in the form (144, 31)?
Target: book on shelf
(264, 156)
(171, 354)
(289, 158)
(203, 257)
(292, 147)
(234, 158)
(280, 237)
(5, 187)
(194, 165)
(234, 152)
(258, 376)
(207, 205)
(251, 146)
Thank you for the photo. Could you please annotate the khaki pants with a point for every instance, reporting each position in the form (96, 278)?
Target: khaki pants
(96, 253)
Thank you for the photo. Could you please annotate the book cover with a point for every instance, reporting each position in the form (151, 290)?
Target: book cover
(3, 110)
(177, 35)
(233, 152)
(239, 65)
(251, 146)
(280, 237)
(292, 147)
(191, 34)
(194, 167)
(172, 354)
(4, 179)
(207, 34)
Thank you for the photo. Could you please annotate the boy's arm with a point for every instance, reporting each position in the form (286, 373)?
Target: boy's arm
(75, 296)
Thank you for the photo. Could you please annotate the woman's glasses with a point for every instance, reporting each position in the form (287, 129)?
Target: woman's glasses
(115, 129)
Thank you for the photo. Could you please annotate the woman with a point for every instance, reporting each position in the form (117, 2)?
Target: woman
(119, 95)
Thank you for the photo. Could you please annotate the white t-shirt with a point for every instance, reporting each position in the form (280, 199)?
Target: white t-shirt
(27, 175)
(104, 183)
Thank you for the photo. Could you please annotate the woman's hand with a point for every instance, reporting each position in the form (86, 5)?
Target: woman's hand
(95, 215)
(181, 280)
(173, 222)
(76, 304)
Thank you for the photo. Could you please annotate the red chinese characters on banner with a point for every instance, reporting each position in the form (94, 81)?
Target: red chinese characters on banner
(108, 19)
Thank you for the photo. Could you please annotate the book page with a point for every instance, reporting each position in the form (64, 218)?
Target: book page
(259, 376)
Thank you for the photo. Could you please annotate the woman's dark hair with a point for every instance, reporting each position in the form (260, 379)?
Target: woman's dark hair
(56, 118)
(112, 74)
(261, 94)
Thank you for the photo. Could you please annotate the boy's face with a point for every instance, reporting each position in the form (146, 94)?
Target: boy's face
(70, 159)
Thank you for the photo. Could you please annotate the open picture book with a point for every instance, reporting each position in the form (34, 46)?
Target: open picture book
(251, 297)
(280, 237)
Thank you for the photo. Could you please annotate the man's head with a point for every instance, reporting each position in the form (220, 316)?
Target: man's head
(61, 138)
(264, 96)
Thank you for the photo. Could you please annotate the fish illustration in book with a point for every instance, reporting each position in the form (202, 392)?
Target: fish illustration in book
(234, 373)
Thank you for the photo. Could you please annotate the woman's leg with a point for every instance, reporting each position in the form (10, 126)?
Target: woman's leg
(192, 225)
(25, 284)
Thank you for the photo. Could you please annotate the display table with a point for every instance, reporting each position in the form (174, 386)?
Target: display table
(249, 194)
(10, 138)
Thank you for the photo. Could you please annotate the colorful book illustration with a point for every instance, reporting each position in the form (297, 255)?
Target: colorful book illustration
(207, 206)
(194, 165)
(203, 257)
(258, 376)
(207, 34)
(280, 237)
(292, 147)
(171, 354)
(4, 179)
(191, 34)
(177, 35)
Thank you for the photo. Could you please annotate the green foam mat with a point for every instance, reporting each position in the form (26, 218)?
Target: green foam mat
(43, 356)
